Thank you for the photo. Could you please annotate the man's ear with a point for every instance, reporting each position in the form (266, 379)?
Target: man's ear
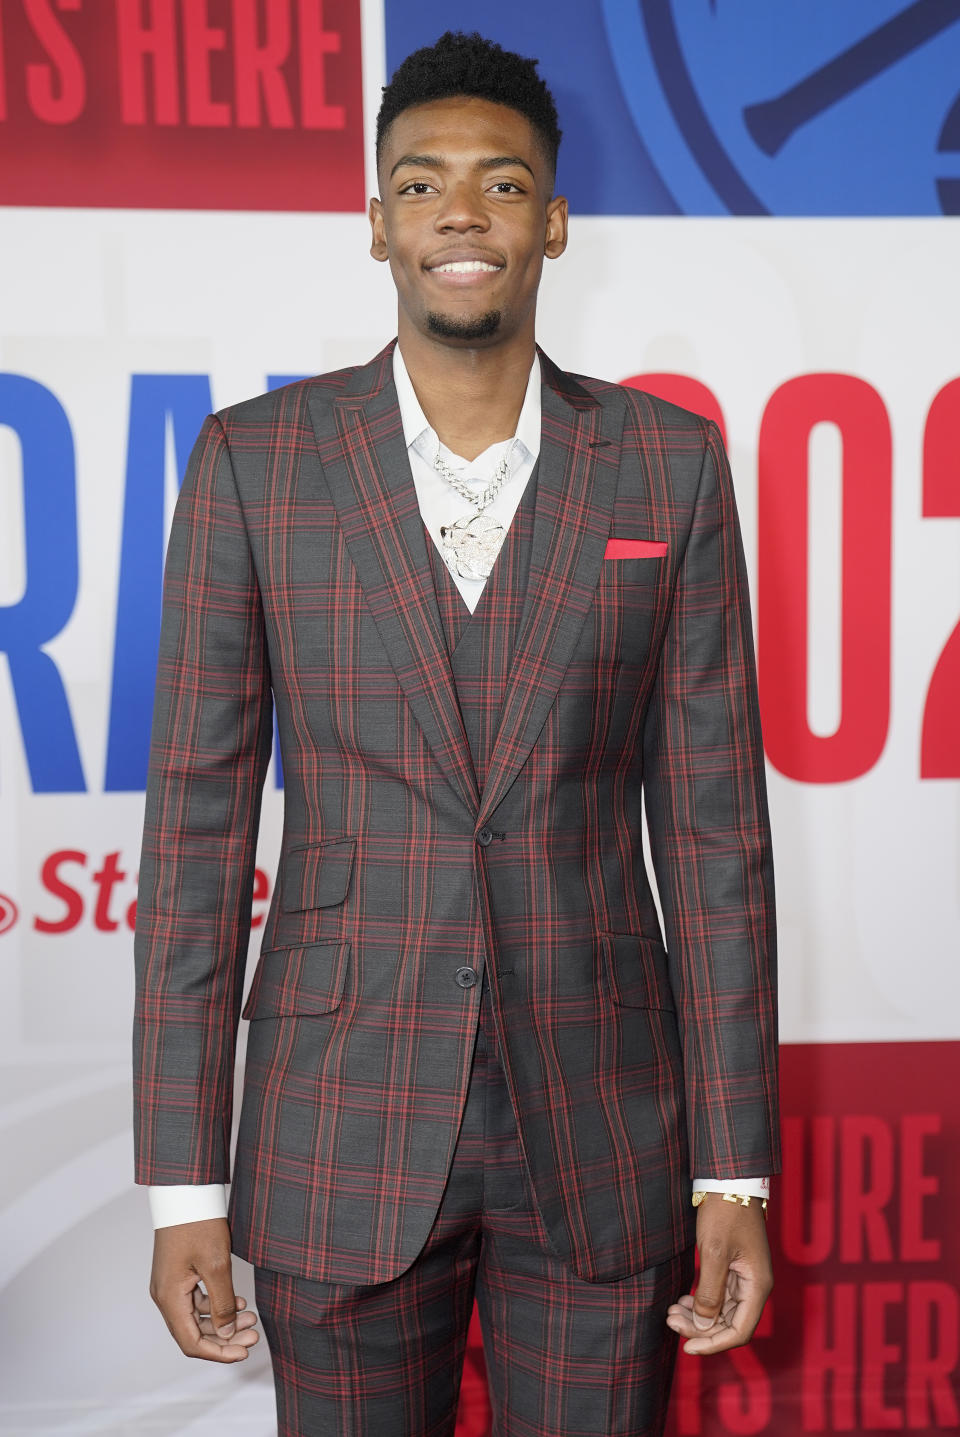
(378, 234)
(556, 238)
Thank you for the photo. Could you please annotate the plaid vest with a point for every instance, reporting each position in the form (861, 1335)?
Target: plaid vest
(481, 644)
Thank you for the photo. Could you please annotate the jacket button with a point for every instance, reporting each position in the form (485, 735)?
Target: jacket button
(484, 837)
(466, 977)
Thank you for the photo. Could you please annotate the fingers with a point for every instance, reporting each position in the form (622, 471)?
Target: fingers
(217, 1276)
(213, 1325)
(711, 1291)
(201, 1303)
(734, 1325)
(196, 1336)
(201, 1308)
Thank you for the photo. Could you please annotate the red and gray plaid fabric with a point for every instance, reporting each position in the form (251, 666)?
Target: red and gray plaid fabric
(563, 1356)
(298, 559)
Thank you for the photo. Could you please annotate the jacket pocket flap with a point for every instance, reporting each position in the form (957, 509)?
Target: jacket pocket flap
(292, 981)
(637, 972)
(317, 875)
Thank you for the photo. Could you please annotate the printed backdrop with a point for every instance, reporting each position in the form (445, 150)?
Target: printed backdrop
(764, 228)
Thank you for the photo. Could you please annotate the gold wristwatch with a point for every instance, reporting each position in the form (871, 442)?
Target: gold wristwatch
(744, 1199)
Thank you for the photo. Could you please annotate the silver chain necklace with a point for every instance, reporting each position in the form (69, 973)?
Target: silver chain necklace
(473, 543)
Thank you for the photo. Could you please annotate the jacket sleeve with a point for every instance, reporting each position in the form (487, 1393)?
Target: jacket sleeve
(210, 746)
(706, 804)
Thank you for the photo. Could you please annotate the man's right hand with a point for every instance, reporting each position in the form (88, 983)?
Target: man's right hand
(214, 1324)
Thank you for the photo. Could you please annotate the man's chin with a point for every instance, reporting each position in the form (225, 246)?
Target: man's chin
(467, 328)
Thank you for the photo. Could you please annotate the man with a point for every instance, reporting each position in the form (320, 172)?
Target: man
(493, 604)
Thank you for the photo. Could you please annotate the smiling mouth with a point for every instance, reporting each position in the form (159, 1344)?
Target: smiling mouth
(465, 266)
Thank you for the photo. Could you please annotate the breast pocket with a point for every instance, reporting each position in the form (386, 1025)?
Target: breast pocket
(317, 875)
(630, 596)
(633, 571)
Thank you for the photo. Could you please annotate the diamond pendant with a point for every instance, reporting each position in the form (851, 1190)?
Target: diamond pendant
(474, 544)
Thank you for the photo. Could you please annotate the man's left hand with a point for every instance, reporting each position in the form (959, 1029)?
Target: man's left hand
(736, 1278)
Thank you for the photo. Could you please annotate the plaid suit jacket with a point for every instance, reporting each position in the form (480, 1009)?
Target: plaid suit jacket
(297, 574)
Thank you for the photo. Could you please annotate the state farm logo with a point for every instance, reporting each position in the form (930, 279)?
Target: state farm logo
(107, 895)
(9, 913)
(79, 889)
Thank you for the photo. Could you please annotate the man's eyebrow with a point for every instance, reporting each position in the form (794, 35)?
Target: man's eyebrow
(437, 162)
(500, 160)
(428, 162)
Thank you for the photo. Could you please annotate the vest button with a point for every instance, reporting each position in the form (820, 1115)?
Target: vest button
(466, 977)
(484, 837)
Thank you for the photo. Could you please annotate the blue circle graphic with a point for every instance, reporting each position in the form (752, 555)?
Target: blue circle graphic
(804, 107)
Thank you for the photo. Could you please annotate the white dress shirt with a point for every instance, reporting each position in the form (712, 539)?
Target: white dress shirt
(439, 504)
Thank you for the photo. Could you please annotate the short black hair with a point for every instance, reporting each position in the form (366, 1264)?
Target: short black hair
(460, 64)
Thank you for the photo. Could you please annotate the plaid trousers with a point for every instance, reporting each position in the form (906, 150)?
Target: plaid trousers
(564, 1357)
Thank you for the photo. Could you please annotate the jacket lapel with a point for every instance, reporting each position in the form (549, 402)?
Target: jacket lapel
(365, 462)
(576, 488)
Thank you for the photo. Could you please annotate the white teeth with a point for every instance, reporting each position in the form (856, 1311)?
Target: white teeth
(466, 266)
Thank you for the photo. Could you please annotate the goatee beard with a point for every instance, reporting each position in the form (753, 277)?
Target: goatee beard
(481, 326)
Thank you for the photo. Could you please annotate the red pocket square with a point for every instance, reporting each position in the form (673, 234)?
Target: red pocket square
(634, 549)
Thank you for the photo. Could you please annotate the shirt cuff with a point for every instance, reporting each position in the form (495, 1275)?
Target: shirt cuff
(186, 1202)
(749, 1187)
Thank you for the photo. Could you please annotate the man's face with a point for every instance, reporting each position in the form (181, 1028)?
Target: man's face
(465, 217)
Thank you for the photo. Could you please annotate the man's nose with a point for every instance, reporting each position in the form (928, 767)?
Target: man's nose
(462, 211)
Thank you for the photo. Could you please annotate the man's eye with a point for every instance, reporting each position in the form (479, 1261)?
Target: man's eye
(504, 186)
(417, 187)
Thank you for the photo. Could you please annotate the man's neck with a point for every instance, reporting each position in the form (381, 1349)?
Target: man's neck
(471, 397)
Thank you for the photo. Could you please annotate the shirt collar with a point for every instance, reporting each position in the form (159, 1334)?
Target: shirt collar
(416, 424)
